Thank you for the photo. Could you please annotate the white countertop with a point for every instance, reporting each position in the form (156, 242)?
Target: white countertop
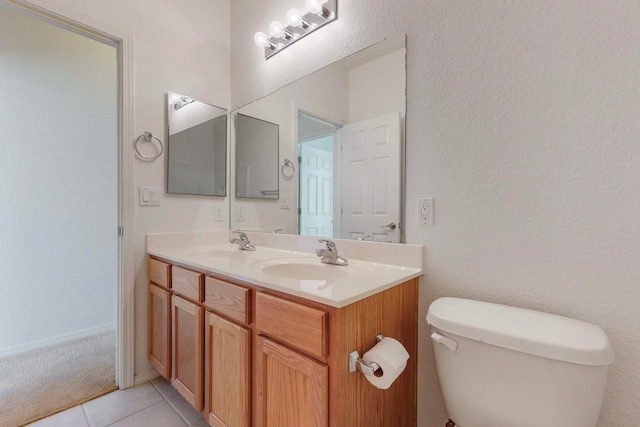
(308, 278)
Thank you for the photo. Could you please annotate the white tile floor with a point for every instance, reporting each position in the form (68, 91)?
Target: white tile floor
(152, 404)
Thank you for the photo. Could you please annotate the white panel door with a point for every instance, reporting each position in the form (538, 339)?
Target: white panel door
(316, 192)
(370, 173)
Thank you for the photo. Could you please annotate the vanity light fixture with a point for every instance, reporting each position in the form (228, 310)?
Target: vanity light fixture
(319, 13)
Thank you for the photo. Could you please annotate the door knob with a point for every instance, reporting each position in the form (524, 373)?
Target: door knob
(391, 225)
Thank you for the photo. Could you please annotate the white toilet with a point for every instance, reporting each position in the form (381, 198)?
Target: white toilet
(502, 366)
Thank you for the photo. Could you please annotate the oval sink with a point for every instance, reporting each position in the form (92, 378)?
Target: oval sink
(303, 269)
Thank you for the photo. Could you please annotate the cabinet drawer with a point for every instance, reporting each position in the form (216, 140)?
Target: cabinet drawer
(302, 327)
(227, 299)
(187, 283)
(159, 272)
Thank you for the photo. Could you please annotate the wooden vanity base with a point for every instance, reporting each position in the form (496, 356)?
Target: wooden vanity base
(259, 357)
(353, 401)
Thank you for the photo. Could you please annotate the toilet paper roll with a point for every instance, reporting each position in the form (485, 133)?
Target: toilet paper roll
(391, 357)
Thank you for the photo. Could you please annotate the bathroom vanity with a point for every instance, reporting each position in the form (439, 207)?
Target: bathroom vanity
(263, 338)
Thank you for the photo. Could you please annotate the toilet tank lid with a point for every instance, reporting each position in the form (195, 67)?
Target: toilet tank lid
(527, 331)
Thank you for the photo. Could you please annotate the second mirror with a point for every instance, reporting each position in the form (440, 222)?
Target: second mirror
(197, 149)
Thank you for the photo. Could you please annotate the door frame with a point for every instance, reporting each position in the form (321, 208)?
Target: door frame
(123, 42)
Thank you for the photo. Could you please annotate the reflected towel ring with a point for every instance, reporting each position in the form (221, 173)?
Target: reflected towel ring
(148, 136)
(287, 169)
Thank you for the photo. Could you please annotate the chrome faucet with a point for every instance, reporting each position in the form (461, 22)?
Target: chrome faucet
(243, 241)
(329, 255)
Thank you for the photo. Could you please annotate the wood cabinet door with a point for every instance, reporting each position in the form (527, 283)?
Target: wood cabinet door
(227, 373)
(187, 354)
(291, 389)
(159, 330)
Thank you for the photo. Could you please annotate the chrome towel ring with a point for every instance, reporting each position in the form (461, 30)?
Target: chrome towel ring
(287, 169)
(148, 136)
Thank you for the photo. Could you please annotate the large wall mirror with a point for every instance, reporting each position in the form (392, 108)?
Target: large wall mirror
(197, 147)
(340, 157)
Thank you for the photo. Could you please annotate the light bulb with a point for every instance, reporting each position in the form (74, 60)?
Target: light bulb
(261, 40)
(294, 18)
(173, 98)
(315, 6)
(277, 30)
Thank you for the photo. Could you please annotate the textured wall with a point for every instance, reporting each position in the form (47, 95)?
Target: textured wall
(523, 123)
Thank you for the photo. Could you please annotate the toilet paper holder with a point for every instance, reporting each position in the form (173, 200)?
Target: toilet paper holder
(357, 364)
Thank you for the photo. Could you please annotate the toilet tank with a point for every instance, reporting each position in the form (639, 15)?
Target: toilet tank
(503, 366)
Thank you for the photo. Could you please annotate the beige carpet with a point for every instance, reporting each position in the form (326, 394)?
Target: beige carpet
(41, 382)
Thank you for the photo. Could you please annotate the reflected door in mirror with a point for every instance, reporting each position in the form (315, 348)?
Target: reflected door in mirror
(371, 179)
(316, 189)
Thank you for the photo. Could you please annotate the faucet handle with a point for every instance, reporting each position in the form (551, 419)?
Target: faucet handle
(242, 241)
(240, 234)
(330, 254)
(330, 245)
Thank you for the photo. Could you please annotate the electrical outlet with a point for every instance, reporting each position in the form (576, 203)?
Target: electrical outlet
(218, 214)
(285, 203)
(239, 213)
(425, 211)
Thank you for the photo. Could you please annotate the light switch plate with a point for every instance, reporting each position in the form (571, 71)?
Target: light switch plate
(149, 196)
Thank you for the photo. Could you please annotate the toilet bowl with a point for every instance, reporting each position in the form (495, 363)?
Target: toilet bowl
(503, 366)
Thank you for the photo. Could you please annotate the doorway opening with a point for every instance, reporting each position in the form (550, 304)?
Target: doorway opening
(59, 173)
(122, 156)
(317, 153)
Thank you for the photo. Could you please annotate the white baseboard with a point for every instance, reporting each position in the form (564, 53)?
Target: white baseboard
(145, 376)
(11, 351)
